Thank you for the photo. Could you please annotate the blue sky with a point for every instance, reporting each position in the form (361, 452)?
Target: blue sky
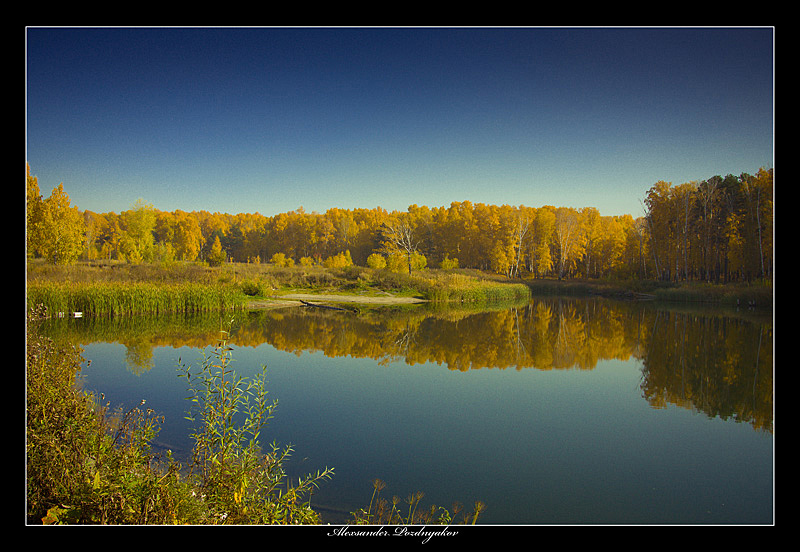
(244, 120)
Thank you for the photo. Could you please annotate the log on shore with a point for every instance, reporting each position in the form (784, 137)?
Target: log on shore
(306, 303)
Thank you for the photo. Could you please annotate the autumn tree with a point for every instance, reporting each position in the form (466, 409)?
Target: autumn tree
(713, 230)
(137, 240)
(709, 203)
(660, 226)
(57, 231)
(566, 234)
(720, 228)
(216, 256)
(33, 206)
(589, 237)
(539, 260)
(252, 229)
(522, 223)
(398, 236)
(757, 196)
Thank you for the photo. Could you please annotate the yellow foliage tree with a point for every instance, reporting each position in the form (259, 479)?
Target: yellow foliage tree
(216, 256)
(281, 260)
(59, 229)
(376, 261)
(137, 240)
(340, 260)
(33, 206)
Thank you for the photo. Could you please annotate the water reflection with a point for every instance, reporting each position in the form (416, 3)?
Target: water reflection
(717, 364)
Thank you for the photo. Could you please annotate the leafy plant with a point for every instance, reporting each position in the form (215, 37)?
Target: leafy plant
(85, 463)
(238, 482)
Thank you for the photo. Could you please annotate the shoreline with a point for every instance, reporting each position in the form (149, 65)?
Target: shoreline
(296, 300)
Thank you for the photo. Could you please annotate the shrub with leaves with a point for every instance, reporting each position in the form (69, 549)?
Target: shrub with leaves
(238, 482)
(86, 464)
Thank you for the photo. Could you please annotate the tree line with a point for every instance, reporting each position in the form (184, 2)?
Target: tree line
(720, 229)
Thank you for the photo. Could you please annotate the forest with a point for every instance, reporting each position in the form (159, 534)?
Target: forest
(716, 230)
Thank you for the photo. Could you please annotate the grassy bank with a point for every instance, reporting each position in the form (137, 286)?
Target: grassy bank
(104, 298)
(758, 295)
(118, 288)
(110, 287)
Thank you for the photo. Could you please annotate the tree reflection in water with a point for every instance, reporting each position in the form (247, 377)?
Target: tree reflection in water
(717, 363)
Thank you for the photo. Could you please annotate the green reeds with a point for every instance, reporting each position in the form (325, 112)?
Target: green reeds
(104, 298)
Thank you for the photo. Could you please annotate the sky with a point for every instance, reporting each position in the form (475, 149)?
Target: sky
(266, 120)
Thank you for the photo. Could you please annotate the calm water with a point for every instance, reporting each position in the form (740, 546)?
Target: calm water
(557, 411)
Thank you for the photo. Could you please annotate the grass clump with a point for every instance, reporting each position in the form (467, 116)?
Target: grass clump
(445, 286)
(409, 512)
(121, 298)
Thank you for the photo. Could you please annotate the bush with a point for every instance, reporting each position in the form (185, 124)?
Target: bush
(85, 465)
(398, 262)
(252, 288)
(448, 263)
(376, 261)
(281, 260)
(239, 483)
(340, 260)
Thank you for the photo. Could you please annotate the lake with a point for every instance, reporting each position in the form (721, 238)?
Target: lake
(555, 411)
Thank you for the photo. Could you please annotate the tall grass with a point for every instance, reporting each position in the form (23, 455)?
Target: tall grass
(152, 289)
(117, 298)
(456, 287)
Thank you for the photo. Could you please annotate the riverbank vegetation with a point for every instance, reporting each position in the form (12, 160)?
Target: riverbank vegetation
(90, 464)
(148, 288)
(114, 287)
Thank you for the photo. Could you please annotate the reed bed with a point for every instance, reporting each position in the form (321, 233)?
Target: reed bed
(455, 287)
(104, 298)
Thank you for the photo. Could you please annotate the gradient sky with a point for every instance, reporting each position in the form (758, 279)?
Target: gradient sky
(245, 120)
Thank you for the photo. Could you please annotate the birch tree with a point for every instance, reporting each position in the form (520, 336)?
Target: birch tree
(566, 229)
(398, 235)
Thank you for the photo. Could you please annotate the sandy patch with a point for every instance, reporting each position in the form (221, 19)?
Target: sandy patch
(294, 300)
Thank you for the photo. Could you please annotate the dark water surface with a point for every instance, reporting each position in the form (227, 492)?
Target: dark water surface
(551, 412)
